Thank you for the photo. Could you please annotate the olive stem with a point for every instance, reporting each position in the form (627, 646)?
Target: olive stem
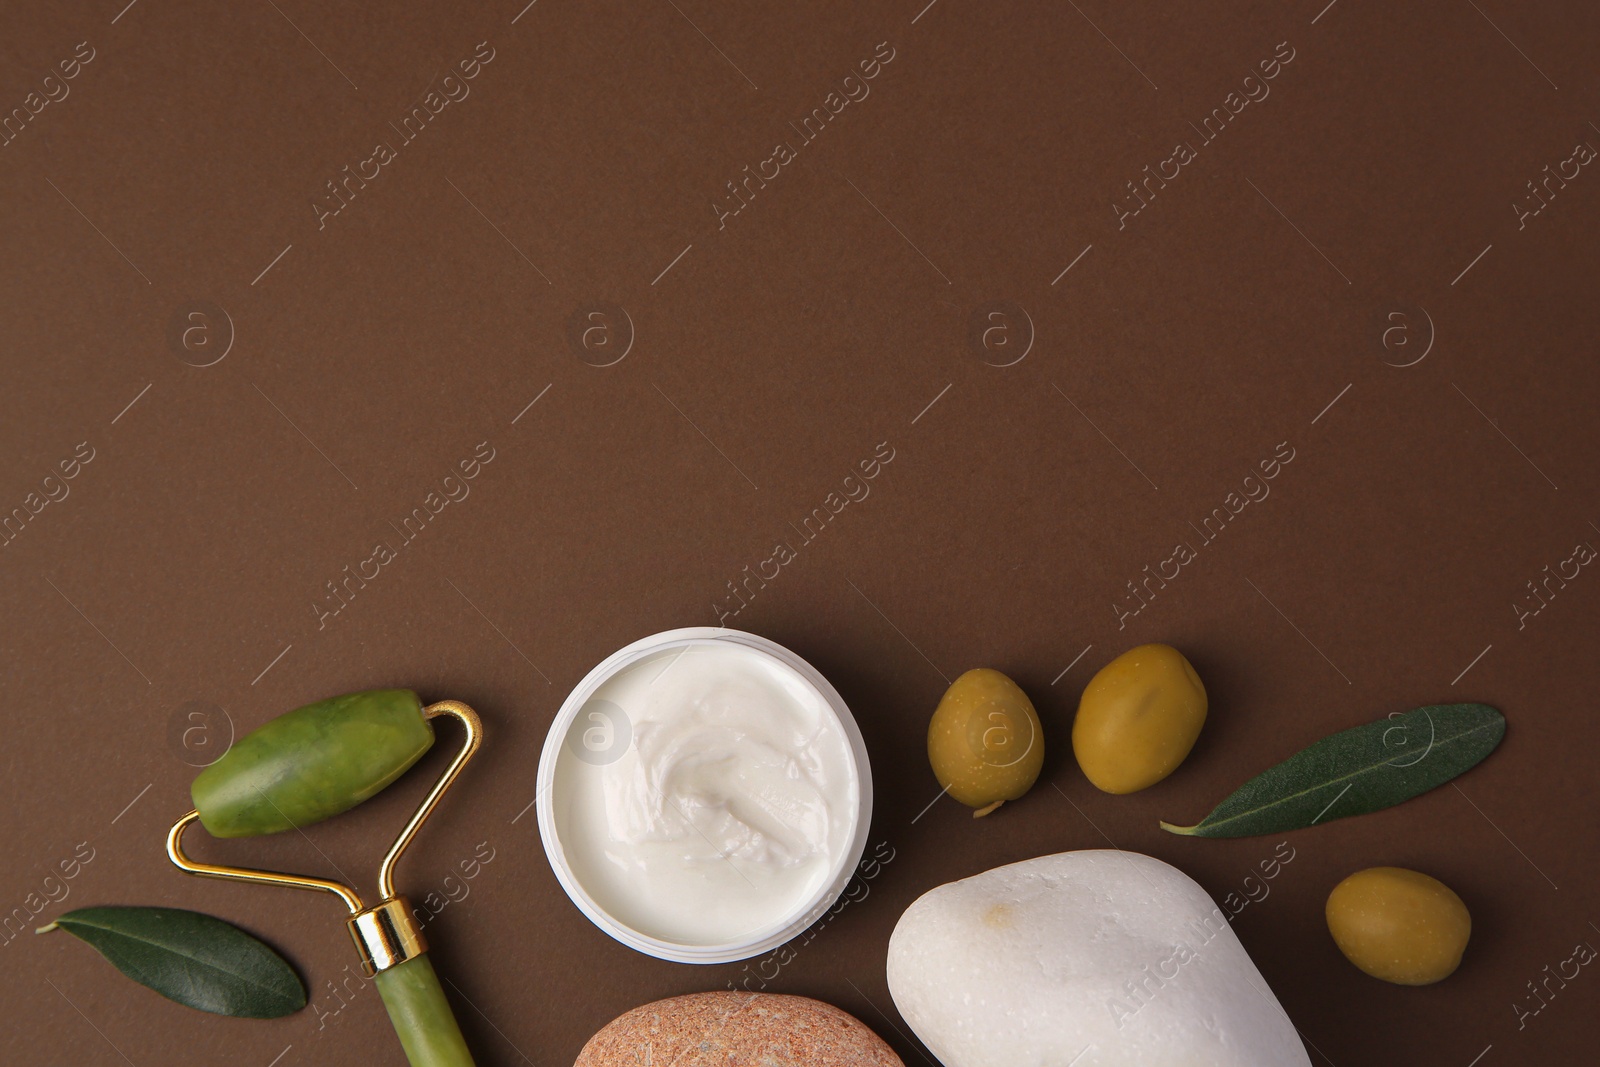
(981, 812)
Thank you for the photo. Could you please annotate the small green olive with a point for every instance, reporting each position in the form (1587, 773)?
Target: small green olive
(1138, 719)
(1398, 925)
(312, 763)
(985, 741)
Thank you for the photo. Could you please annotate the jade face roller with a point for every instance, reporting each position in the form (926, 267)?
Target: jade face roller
(313, 763)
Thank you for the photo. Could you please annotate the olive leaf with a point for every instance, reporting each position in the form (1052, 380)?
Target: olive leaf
(194, 959)
(1357, 771)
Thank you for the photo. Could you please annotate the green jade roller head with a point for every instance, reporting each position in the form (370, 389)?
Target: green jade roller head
(316, 762)
(312, 763)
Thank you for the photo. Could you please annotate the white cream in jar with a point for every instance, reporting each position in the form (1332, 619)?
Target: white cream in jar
(705, 795)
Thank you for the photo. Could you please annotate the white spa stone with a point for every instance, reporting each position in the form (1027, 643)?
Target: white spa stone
(1095, 959)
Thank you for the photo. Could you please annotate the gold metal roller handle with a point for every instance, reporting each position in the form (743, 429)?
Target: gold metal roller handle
(250, 874)
(474, 737)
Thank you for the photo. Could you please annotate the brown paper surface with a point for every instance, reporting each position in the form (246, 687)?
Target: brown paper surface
(663, 276)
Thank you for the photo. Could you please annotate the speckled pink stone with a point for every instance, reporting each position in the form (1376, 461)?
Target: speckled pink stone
(730, 1029)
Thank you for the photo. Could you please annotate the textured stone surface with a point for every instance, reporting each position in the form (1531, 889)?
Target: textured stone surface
(729, 1029)
(1093, 958)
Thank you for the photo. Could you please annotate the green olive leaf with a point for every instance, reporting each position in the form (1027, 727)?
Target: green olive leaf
(194, 959)
(1357, 771)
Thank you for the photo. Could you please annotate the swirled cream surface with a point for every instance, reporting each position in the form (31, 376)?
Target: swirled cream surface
(704, 794)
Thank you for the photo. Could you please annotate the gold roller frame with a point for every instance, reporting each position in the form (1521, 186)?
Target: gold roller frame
(385, 934)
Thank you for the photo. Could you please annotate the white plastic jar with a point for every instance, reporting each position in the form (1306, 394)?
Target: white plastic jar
(704, 795)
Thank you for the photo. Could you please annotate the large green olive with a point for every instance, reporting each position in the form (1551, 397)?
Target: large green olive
(1398, 925)
(312, 763)
(1138, 718)
(985, 742)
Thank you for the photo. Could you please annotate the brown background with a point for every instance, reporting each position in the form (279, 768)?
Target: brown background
(423, 319)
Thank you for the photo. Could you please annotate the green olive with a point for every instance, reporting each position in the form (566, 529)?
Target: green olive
(985, 742)
(312, 763)
(1399, 925)
(1138, 719)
